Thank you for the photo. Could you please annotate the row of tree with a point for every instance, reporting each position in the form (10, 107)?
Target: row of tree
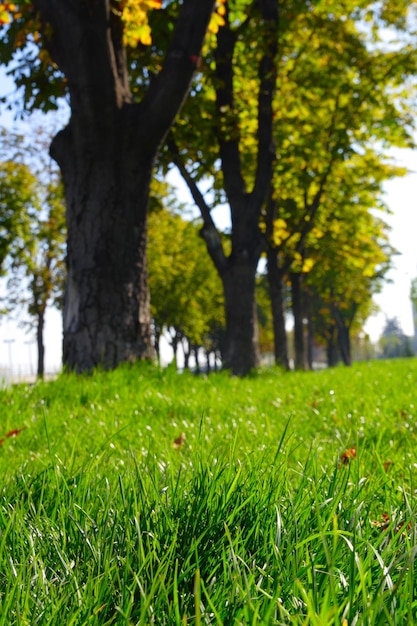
(186, 292)
(287, 116)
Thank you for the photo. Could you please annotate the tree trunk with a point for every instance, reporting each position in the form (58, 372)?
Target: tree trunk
(241, 353)
(197, 360)
(186, 348)
(175, 340)
(157, 342)
(310, 343)
(343, 338)
(208, 364)
(237, 269)
(40, 344)
(297, 309)
(106, 155)
(310, 330)
(332, 356)
(106, 311)
(276, 292)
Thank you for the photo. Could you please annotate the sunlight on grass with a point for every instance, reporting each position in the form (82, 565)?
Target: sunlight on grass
(145, 497)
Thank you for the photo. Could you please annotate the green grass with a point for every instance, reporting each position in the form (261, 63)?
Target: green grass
(252, 519)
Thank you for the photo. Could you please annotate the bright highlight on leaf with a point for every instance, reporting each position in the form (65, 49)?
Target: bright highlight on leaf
(6, 9)
(217, 18)
(135, 18)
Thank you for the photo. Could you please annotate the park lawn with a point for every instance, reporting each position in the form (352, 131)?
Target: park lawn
(143, 496)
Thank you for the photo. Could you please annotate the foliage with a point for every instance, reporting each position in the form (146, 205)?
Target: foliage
(19, 204)
(393, 342)
(36, 271)
(348, 251)
(186, 292)
(24, 49)
(343, 97)
(289, 499)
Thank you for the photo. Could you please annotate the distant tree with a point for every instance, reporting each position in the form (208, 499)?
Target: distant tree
(340, 98)
(263, 301)
(233, 115)
(393, 342)
(186, 293)
(413, 298)
(32, 234)
(19, 204)
(42, 268)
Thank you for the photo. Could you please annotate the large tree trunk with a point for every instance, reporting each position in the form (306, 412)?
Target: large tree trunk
(106, 314)
(241, 353)
(276, 292)
(106, 155)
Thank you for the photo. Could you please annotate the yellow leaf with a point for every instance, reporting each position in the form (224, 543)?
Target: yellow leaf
(215, 23)
(4, 17)
(135, 18)
(307, 265)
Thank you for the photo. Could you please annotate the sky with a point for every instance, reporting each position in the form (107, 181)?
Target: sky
(401, 198)
(18, 348)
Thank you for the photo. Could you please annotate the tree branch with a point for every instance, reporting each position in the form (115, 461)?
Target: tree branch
(84, 39)
(209, 231)
(229, 134)
(268, 77)
(170, 87)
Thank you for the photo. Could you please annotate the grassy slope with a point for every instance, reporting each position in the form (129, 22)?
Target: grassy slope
(251, 520)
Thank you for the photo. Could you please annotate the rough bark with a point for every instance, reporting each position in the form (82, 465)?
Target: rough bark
(106, 155)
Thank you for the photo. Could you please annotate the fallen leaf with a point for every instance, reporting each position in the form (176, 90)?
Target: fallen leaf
(178, 442)
(11, 433)
(383, 523)
(14, 432)
(387, 464)
(347, 456)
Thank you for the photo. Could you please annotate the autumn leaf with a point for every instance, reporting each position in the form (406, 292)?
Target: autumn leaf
(6, 8)
(347, 456)
(135, 18)
(382, 523)
(12, 433)
(217, 18)
(178, 442)
(387, 464)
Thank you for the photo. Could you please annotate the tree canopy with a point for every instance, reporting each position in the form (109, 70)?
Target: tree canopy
(107, 151)
(290, 108)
